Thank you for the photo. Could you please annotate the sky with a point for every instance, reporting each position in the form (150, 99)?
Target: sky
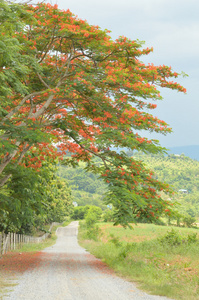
(172, 29)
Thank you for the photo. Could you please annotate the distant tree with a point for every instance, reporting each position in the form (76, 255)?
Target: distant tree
(87, 188)
(108, 215)
(66, 82)
(79, 212)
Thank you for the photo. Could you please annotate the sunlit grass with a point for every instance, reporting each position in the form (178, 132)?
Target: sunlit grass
(138, 255)
(140, 232)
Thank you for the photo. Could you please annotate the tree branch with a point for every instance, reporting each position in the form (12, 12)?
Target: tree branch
(44, 83)
(12, 112)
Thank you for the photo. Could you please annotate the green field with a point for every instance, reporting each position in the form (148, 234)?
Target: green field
(162, 260)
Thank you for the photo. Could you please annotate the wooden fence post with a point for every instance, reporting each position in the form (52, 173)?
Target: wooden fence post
(14, 241)
(11, 241)
(1, 243)
(5, 243)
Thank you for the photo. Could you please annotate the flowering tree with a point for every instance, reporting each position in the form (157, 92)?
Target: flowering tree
(81, 90)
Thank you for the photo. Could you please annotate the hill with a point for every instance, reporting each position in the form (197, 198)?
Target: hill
(191, 151)
(87, 188)
(182, 173)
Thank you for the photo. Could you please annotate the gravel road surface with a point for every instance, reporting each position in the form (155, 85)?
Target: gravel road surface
(69, 272)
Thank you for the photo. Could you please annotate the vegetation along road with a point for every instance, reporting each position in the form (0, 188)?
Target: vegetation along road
(67, 271)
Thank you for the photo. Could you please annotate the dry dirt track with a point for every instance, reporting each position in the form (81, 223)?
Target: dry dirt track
(68, 272)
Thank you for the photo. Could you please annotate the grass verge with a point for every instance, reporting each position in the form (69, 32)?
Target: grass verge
(161, 260)
(5, 285)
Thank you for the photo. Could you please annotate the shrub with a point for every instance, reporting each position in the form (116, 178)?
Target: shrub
(91, 219)
(92, 216)
(174, 238)
(192, 238)
(108, 216)
(189, 221)
(92, 209)
(115, 240)
(93, 233)
(78, 213)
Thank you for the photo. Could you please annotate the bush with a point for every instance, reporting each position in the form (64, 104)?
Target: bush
(108, 216)
(115, 240)
(92, 215)
(78, 213)
(93, 233)
(174, 238)
(91, 219)
(97, 211)
(189, 221)
(192, 238)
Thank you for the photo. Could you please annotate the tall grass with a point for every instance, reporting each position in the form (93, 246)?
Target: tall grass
(162, 260)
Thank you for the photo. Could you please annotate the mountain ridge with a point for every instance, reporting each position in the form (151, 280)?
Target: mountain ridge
(191, 151)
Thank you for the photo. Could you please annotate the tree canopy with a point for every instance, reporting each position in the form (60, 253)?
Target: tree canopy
(32, 199)
(67, 84)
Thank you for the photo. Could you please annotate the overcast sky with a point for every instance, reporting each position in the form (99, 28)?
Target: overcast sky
(172, 29)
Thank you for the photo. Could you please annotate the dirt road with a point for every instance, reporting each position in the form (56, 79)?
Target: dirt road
(67, 272)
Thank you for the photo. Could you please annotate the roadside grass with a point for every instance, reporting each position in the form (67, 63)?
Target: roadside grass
(162, 260)
(5, 285)
(8, 273)
(50, 241)
(33, 247)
